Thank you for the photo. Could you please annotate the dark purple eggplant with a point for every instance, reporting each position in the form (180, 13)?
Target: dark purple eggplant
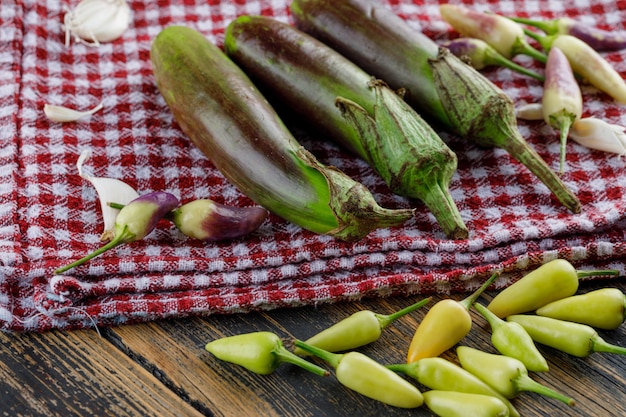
(361, 113)
(231, 122)
(384, 45)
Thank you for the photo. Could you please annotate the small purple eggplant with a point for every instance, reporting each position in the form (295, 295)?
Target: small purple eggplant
(503, 34)
(562, 102)
(134, 222)
(481, 55)
(587, 63)
(208, 220)
(598, 39)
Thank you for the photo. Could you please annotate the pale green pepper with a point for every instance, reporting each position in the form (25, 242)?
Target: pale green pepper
(259, 352)
(573, 338)
(357, 330)
(506, 375)
(445, 325)
(462, 404)
(550, 282)
(364, 375)
(603, 309)
(511, 339)
(440, 374)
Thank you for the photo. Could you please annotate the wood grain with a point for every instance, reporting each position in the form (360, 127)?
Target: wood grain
(162, 369)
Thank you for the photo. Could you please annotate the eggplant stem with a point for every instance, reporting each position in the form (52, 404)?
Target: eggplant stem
(520, 150)
(117, 240)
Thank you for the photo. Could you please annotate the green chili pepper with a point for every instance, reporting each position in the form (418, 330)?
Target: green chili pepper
(462, 404)
(550, 282)
(357, 330)
(259, 352)
(445, 324)
(506, 375)
(603, 309)
(441, 374)
(511, 339)
(573, 338)
(364, 375)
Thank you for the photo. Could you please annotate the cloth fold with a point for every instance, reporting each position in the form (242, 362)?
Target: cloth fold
(49, 215)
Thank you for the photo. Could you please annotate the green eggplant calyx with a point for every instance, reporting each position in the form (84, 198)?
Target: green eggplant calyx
(482, 112)
(355, 209)
(407, 153)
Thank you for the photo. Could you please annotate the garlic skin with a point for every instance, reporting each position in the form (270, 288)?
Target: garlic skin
(532, 111)
(600, 135)
(95, 21)
(64, 114)
(109, 190)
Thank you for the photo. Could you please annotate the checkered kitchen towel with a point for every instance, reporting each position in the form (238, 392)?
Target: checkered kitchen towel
(50, 216)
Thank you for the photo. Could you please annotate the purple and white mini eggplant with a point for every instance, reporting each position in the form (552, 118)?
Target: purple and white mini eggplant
(481, 55)
(598, 39)
(503, 34)
(134, 222)
(562, 101)
(587, 64)
(208, 220)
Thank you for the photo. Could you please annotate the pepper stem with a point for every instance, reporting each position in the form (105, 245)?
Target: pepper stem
(548, 27)
(493, 320)
(544, 41)
(285, 355)
(584, 274)
(117, 240)
(523, 47)
(115, 205)
(600, 345)
(497, 59)
(523, 382)
(331, 358)
(566, 123)
(469, 301)
(386, 319)
(408, 369)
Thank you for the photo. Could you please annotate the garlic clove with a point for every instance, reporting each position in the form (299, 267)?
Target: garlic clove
(64, 114)
(95, 21)
(600, 135)
(532, 111)
(109, 190)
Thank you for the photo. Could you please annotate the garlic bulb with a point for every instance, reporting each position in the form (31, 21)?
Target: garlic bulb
(600, 135)
(95, 21)
(110, 190)
(532, 111)
(64, 114)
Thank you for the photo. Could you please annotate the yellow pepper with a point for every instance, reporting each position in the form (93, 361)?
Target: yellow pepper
(445, 324)
(550, 282)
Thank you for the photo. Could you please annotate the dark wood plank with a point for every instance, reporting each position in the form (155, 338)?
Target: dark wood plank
(162, 369)
(79, 374)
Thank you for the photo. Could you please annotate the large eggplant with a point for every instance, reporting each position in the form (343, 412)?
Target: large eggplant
(229, 120)
(443, 88)
(340, 99)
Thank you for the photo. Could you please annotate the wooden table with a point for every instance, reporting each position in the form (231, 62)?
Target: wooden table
(161, 369)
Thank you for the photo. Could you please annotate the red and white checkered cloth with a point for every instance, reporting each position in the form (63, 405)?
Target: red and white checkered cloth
(50, 216)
